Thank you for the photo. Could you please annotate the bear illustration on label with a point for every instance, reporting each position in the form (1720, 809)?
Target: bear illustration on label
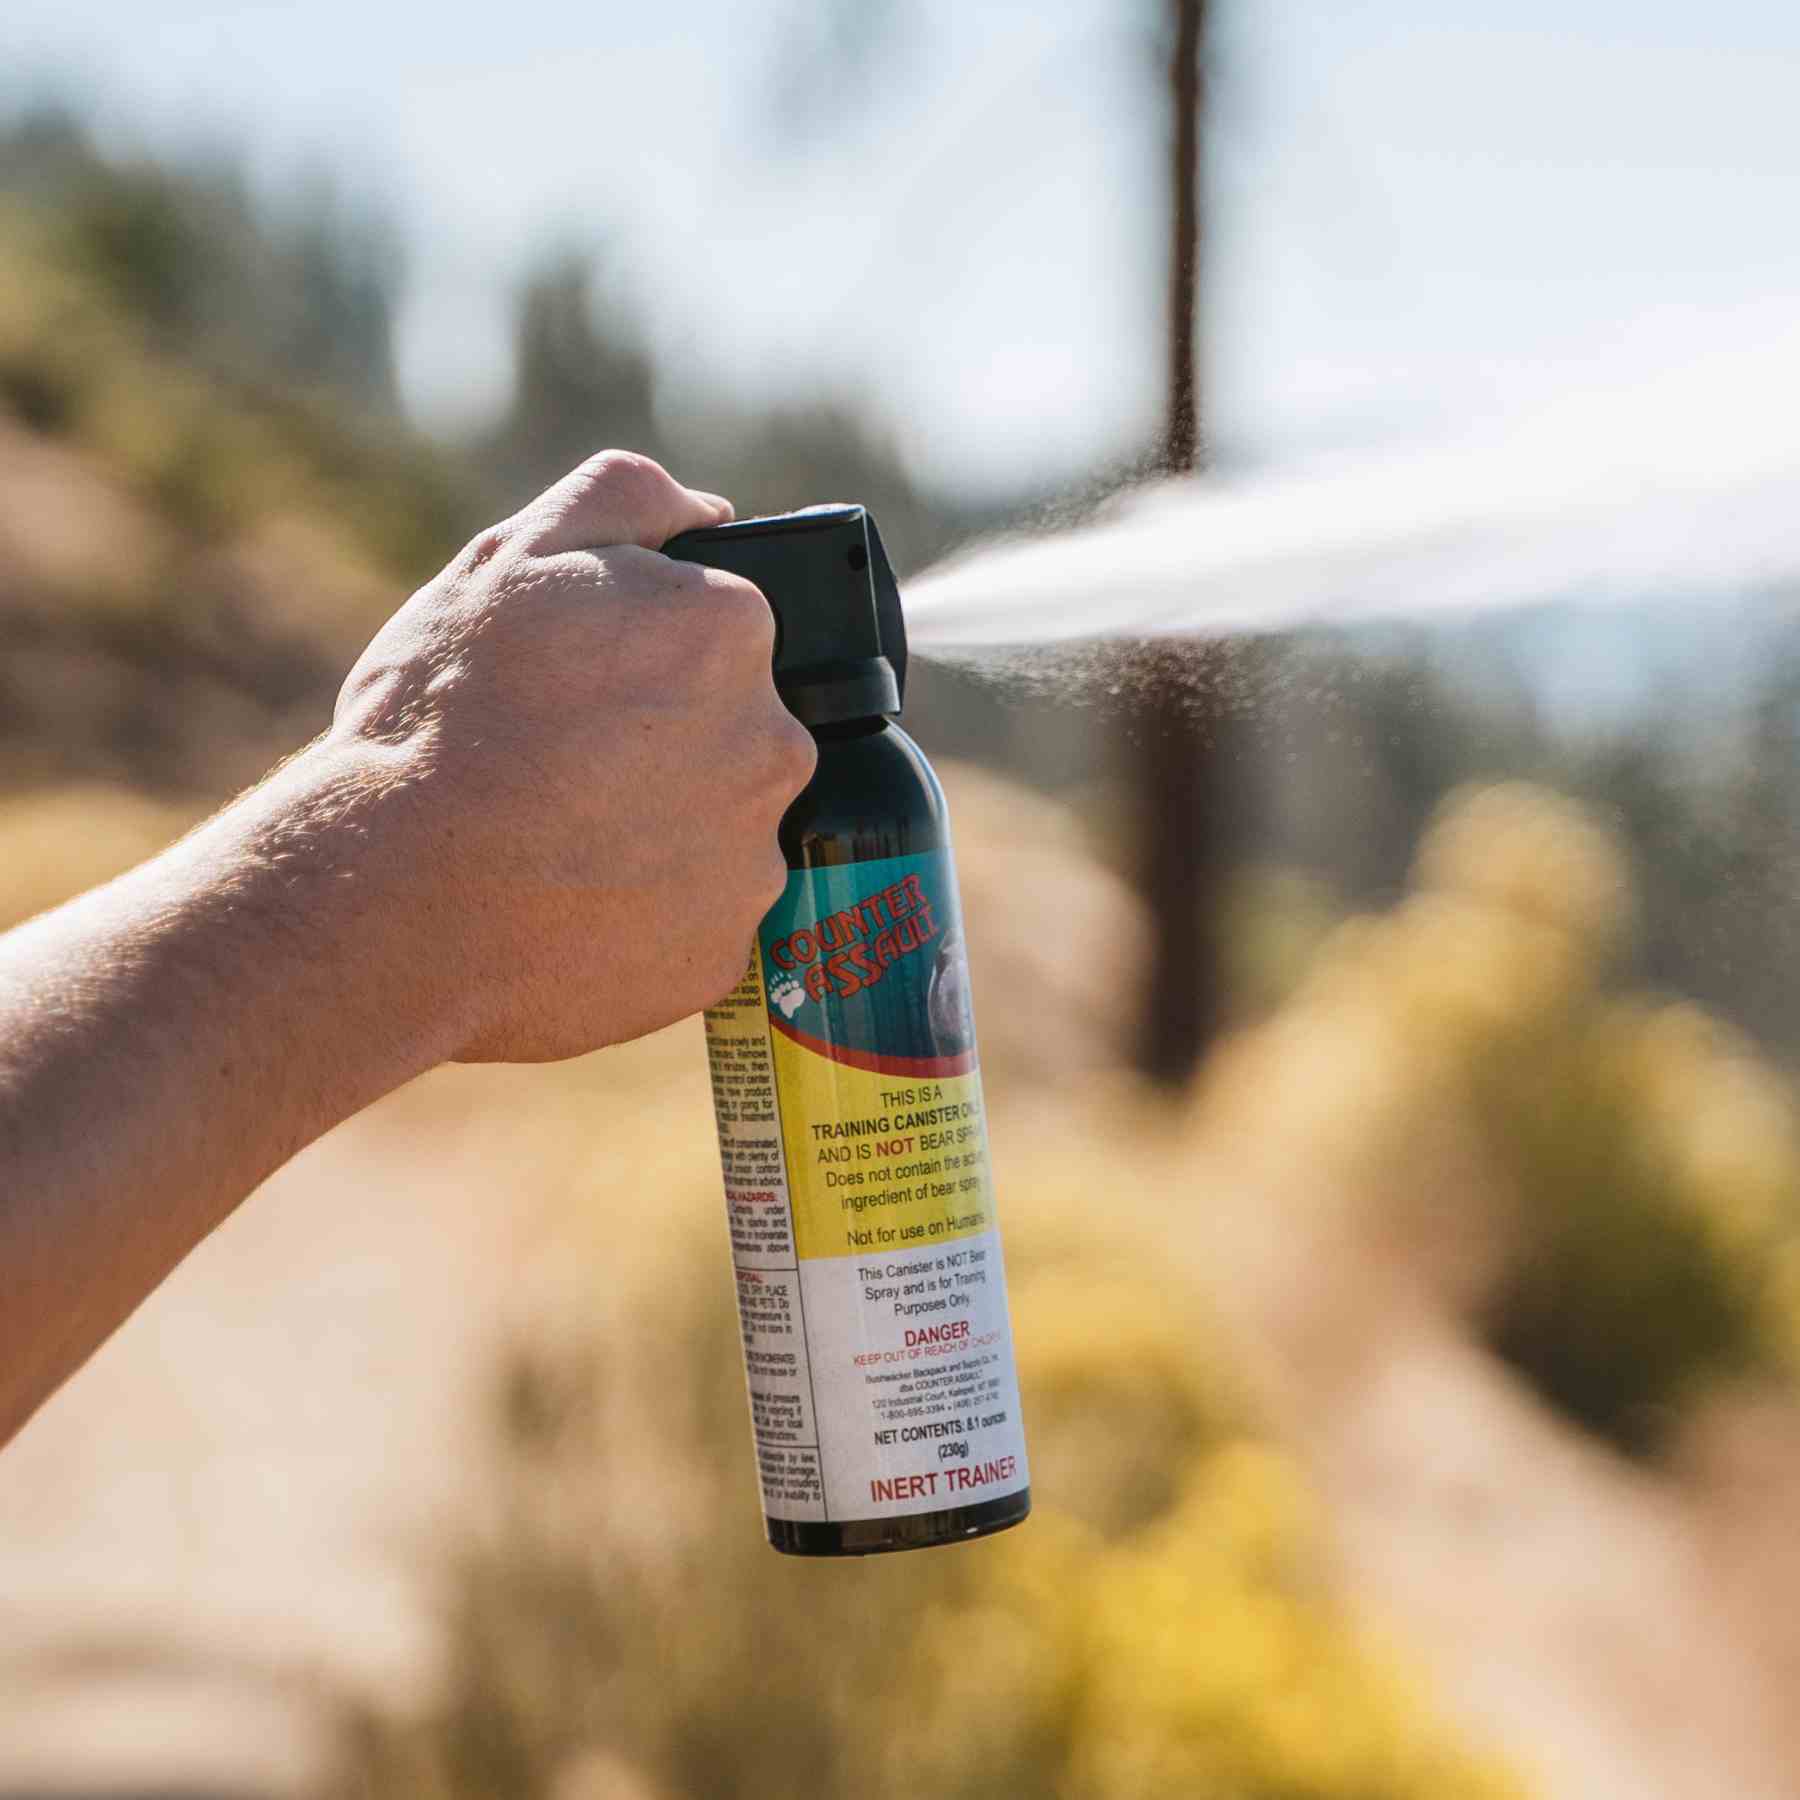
(948, 1005)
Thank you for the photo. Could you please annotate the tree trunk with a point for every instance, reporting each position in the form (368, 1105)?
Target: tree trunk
(1185, 721)
(1182, 445)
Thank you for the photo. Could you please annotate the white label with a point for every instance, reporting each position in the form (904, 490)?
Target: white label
(871, 1290)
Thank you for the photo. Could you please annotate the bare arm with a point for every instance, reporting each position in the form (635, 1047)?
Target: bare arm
(558, 767)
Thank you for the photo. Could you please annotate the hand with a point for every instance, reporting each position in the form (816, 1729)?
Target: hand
(592, 762)
(544, 820)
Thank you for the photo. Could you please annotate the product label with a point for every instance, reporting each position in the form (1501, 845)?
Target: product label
(870, 1285)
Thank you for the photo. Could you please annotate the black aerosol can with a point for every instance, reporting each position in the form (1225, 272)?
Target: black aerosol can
(870, 1284)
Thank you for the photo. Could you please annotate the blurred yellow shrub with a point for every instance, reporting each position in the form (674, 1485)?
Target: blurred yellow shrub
(1161, 1626)
(1650, 1155)
(1654, 1186)
(1628, 1169)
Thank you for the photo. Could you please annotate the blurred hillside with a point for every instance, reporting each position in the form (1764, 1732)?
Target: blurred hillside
(208, 500)
(204, 504)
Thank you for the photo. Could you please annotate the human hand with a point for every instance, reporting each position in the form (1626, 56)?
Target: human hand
(587, 759)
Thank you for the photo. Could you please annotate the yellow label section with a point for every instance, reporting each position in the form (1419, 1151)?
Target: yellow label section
(880, 1162)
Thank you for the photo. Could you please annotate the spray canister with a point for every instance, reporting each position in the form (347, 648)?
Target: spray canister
(871, 1290)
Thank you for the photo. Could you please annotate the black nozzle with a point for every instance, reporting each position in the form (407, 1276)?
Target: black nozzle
(840, 638)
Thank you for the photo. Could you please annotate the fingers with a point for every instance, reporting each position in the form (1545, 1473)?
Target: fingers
(616, 497)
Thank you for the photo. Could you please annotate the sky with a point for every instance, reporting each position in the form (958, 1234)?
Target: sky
(1428, 217)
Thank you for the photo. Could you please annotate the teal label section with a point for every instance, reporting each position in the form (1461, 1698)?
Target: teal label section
(865, 964)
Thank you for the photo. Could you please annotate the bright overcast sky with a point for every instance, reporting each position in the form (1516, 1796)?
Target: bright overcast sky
(1425, 218)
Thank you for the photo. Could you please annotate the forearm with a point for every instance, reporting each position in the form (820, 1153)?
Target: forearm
(169, 1040)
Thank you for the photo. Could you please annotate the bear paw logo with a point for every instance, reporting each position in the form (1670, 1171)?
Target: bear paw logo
(788, 994)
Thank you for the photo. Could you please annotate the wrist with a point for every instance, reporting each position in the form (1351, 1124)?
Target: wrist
(319, 883)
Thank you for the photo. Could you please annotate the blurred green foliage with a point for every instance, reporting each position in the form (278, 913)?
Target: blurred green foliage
(223, 499)
(585, 375)
(1651, 1153)
(1653, 1163)
(299, 292)
(1699, 785)
(208, 497)
(224, 366)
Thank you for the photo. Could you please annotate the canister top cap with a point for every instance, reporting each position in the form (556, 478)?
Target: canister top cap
(840, 636)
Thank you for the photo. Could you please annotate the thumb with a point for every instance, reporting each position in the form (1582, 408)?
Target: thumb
(615, 497)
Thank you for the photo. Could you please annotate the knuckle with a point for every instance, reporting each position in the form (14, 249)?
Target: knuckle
(661, 573)
(640, 573)
(626, 471)
(775, 878)
(732, 959)
(796, 753)
(762, 882)
(738, 612)
(613, 496)
(483, 548)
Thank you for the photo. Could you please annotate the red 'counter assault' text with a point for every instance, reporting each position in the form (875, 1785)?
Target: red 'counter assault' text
(850, 950)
